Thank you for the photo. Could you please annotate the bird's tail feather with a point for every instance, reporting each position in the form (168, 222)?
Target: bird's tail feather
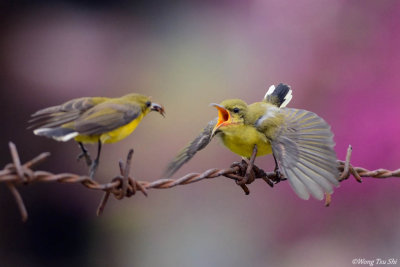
(280, 95)
(59, 133)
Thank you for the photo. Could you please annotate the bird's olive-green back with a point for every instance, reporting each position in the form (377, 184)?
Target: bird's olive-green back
(86, 111)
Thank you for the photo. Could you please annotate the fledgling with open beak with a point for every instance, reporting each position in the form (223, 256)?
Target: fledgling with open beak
(300, 141)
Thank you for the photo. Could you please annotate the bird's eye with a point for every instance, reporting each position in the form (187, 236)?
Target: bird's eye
(148, 104)
(236, 110)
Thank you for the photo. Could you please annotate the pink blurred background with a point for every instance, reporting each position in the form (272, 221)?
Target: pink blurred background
(340, 57)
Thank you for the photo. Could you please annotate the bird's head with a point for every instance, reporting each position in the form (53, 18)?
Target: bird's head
(230, 112)
(146, 103)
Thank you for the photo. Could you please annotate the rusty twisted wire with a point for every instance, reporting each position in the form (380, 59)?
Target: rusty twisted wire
(124, 185)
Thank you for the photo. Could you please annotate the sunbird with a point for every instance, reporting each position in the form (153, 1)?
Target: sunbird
(100, 120)
(300, 141)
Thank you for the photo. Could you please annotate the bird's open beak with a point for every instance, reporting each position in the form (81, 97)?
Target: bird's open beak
(158, 108)
(224, 117)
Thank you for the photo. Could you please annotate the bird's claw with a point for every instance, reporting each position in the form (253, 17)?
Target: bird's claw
(246, 179)
(242, 165)
(248, 176)
(86, 156)
(278, 176)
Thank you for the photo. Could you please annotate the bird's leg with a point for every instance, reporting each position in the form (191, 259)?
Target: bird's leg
(249, 175)
(278, 174)
(95, 163)
(84, 154)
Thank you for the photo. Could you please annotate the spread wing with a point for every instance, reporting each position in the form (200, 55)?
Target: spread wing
(200, 142)
(58, 115)
(106, 117)
(303, 148)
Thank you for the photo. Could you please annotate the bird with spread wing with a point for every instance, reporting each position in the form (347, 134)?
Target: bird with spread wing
(300, 141)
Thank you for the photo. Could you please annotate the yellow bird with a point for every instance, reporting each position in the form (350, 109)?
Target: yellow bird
(99, 120)
(300, 141)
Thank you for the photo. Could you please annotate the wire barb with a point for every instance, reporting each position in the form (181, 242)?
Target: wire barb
(124, 185)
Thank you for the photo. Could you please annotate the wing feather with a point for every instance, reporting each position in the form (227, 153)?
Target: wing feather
(310, 172)
(312, 186)
(54, 120)
(106, 117)
(58, 115)
(303, 147)
(298, 186)
(200, 142)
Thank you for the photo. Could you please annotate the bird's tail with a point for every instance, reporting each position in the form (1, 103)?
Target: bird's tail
(280, 95)
(59, 133)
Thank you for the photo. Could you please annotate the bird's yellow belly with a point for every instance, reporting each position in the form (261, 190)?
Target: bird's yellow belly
(241, 140)
(111, 136)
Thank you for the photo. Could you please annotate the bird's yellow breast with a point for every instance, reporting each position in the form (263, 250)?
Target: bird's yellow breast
(111, 136)
(241, 139)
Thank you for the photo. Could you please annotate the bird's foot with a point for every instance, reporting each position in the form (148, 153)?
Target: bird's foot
(247, 173)
(84, 154)
(87, 157)
(278, 176)
(242, 165)
(245, 180)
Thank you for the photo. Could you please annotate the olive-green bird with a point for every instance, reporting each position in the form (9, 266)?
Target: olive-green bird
(99, 120)
(301, 142)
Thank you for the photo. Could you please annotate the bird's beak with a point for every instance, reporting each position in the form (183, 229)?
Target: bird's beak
(224, 117)
(158, 108)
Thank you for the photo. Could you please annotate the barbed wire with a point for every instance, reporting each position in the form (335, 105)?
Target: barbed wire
(124, 185)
